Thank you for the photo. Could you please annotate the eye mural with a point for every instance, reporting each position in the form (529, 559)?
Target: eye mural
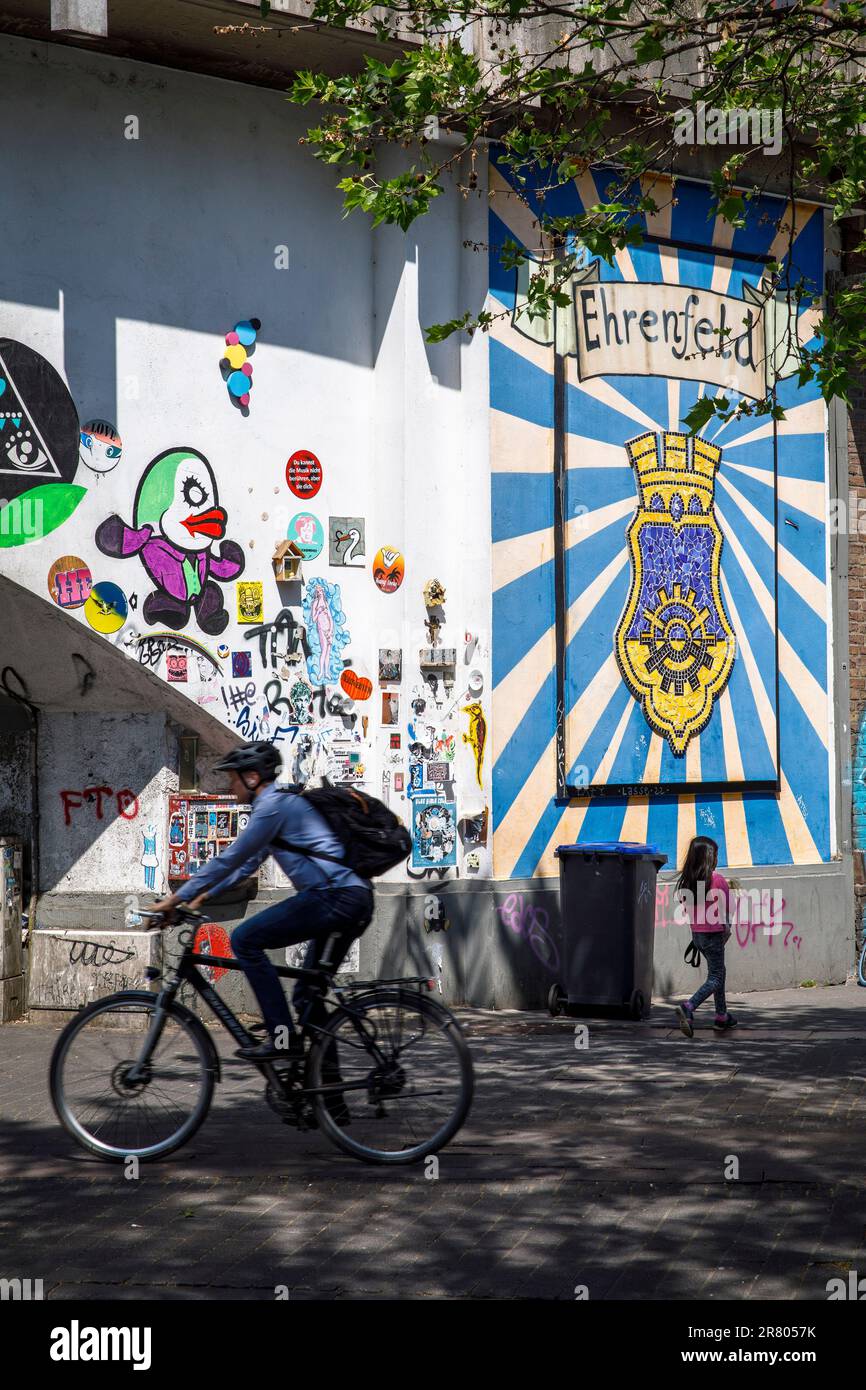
(177, 533)
(39, 437)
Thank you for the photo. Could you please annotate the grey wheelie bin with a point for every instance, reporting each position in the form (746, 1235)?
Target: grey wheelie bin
(608, 905)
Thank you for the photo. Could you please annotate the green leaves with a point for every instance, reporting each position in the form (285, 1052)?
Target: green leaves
(649, 47)
(702, 411)
(398, 200)
(572, 90)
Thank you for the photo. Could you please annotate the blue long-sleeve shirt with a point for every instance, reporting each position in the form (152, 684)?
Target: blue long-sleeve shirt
(277, 815)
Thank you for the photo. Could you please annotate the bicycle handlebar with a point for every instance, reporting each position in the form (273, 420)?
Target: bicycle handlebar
(182, 913)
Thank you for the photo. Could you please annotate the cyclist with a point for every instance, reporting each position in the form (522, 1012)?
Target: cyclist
(330, 897)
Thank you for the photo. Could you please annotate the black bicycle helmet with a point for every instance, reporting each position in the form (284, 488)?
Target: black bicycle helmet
(262, 758)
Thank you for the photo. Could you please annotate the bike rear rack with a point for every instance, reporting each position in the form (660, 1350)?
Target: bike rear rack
(418, 981)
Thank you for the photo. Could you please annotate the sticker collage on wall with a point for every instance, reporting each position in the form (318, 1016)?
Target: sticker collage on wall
(268, 649)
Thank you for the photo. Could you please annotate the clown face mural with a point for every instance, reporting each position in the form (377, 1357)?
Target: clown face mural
(176, 526)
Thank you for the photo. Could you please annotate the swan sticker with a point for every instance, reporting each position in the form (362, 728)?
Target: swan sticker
(346, 541)
(177, 532)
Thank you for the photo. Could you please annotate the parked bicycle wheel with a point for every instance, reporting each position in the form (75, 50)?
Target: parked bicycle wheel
(95, 1096)
(401, 1078)
(861, 968)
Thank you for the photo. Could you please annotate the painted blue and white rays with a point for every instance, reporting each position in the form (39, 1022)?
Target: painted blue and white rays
(772, 505)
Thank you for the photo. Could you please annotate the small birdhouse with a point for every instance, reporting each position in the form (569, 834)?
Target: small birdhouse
(286, 560)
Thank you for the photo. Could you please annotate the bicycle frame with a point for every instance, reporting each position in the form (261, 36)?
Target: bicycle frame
(186, 971)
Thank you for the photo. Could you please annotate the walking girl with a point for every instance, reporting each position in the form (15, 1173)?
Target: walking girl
(705, 897)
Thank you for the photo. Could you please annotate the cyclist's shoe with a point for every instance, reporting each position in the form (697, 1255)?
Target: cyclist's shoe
(723, 1022)
(686, 1018)
(268, 1051)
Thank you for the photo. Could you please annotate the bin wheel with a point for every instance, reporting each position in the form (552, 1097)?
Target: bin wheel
(556, 1000)
(637, 1004)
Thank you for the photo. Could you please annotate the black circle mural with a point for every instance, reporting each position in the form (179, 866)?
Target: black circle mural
(39, 438)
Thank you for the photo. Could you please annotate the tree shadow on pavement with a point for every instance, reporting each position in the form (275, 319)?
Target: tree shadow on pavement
(606, 1166)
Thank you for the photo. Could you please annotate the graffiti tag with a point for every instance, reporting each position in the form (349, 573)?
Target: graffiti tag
(530, 922)
(125, 800)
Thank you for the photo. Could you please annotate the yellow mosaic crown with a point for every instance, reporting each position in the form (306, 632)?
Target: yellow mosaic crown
(672, 466)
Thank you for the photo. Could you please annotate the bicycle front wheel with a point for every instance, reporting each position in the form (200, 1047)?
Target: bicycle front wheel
(398, 1077)
(102, 1103)
(861, 968)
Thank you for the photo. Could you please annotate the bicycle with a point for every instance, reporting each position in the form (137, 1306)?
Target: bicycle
(861, 965)
(382, 1056)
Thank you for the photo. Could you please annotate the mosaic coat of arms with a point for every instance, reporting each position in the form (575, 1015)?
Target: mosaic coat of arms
(674, 644)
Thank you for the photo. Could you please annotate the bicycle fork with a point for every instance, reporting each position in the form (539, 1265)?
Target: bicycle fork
(164, 1000)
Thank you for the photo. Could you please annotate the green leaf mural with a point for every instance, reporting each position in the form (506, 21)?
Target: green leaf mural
(38, 512)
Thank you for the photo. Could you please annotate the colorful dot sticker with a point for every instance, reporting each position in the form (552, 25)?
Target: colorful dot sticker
(304, 474)
(106, 608)
(69, 582)
(236, 369)
(236, 356)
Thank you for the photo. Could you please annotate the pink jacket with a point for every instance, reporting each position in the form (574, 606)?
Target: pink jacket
(712, 906)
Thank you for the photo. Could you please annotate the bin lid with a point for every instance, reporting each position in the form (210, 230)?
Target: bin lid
(628, 849)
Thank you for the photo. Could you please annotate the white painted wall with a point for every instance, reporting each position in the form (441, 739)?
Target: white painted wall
(126, 753)
(127, 264)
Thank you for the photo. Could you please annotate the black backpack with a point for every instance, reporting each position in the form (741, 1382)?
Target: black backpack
(373, 838)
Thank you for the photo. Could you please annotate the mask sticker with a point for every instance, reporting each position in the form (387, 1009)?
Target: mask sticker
(101, 446)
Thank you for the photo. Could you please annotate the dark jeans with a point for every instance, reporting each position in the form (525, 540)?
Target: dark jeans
(711, 945)
(313, 915)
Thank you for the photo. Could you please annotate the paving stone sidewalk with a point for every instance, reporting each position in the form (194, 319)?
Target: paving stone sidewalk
(602, 1167)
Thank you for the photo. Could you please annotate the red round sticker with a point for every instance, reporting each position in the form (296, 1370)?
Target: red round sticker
(304, 474)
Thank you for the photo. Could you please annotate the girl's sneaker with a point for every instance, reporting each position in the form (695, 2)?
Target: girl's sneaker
(686, 1016)
(723, 1022)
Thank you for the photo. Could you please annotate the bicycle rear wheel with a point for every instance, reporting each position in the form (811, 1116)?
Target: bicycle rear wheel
(861, 968)
(399, 1077)
(113, 1116)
